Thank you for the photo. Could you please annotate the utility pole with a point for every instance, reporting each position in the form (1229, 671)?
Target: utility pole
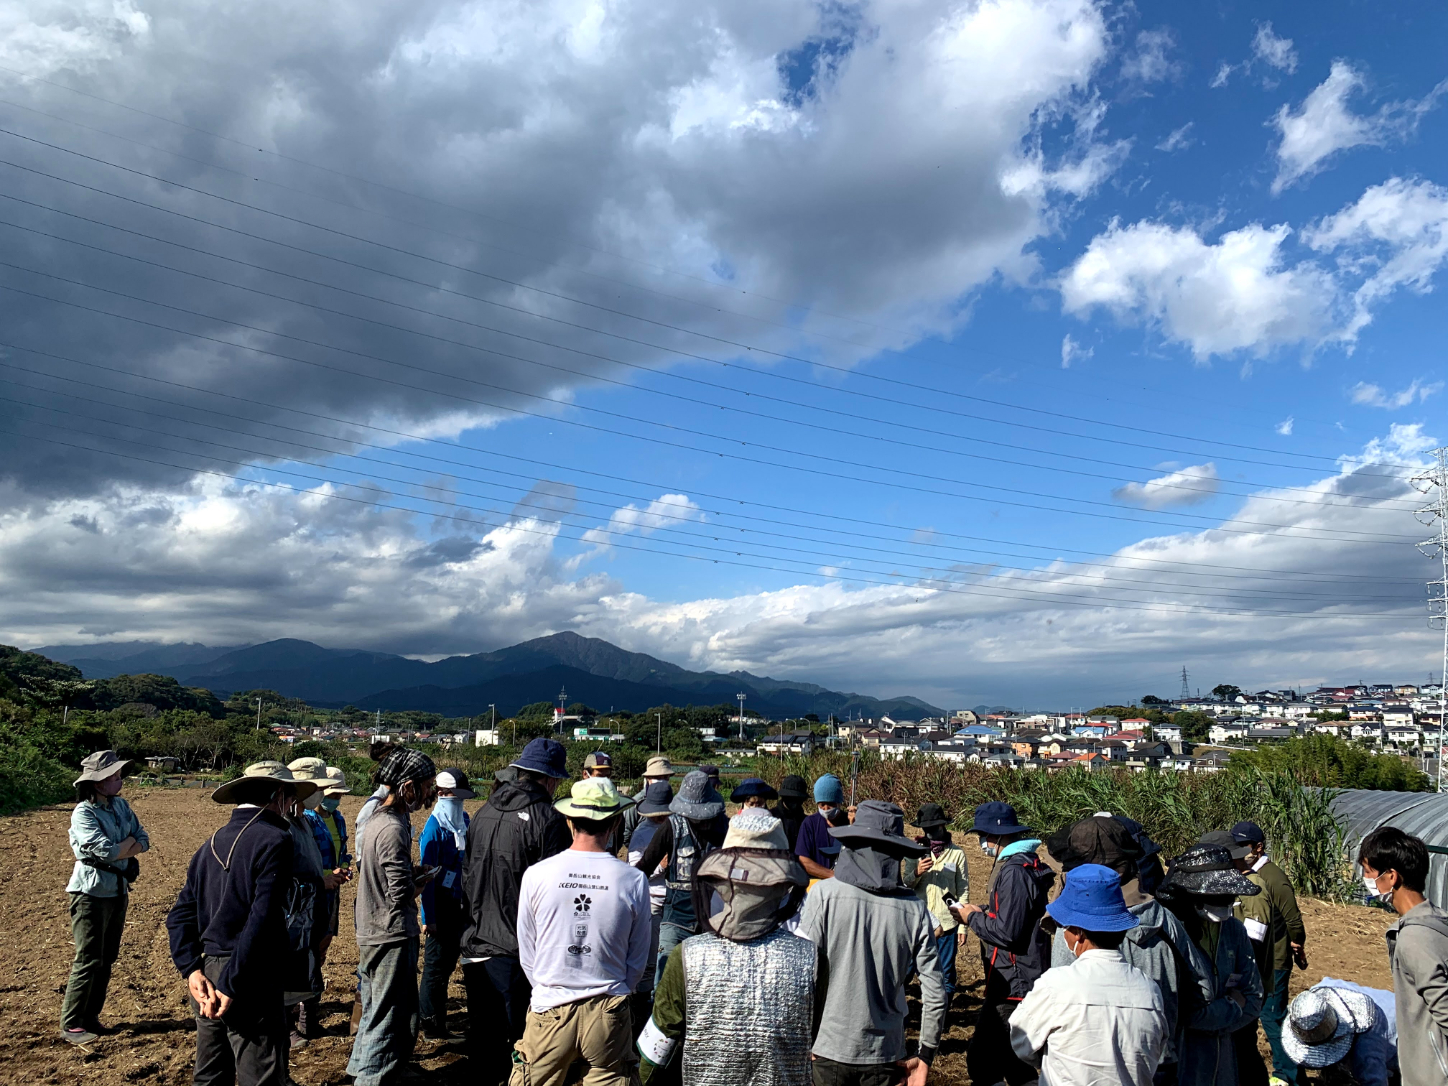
(1435, 514)
(258, 714)
(659, 743)
(562, 701)
(741, 698)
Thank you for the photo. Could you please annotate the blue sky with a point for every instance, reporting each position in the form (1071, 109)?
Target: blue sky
(878, 343)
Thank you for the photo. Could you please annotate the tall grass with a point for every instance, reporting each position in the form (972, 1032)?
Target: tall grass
(1175, 808)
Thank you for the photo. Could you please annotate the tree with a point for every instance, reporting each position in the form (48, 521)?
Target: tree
(1152, 699)
(1194, 724)
(1226, 692)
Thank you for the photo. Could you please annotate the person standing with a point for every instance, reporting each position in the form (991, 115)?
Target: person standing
(514, 830)
(694, 828)
(1395, 870)
(753, 792)
(1159, 945)
(443, 845)
(653, 811)
(106, 837)
(1283, 946)
(793, 791)
(814, 846)
(329, 827)
(875, 935)
(228, 931)
(1100, 1020)
(306, 904)
(1200, 888)
(743, 993)
(1014, 950)
(583, 943)
(658, 768)
(941, 872)
(386, 921)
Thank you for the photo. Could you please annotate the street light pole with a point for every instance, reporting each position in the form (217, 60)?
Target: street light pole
(258, 714)
(659, 743)
(741, 698)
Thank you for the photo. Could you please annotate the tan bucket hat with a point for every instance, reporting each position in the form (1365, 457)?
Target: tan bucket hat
(310, 769)
(338, 782)
(100, 765)
(258, 782)
(658, 766)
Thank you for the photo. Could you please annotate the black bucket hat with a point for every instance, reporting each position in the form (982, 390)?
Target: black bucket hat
(931, 814)
(793, 787)
(1095, 840)
(1208, 871)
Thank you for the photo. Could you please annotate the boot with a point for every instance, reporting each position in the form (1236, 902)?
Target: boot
(309, 1018)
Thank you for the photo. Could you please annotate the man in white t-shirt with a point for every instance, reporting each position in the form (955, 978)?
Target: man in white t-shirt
(583, 941)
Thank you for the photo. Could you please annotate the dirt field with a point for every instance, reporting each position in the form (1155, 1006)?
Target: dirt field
(147, 999)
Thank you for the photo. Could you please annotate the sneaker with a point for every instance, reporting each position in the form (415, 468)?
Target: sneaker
(435, 1030)
(79, 1035)
(297, 1041)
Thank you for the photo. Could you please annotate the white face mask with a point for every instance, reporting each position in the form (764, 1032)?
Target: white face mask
(1374, 894)
(1217, 914)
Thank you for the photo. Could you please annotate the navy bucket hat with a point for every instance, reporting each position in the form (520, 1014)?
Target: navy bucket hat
(545, 756)
(997, 819)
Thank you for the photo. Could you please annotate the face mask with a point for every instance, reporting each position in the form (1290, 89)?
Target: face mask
(331, 803)
(1217, 914)
(111, 786)
(1374, 894)
(313, 801)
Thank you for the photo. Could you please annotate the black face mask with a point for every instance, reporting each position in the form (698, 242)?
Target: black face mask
(838, 817)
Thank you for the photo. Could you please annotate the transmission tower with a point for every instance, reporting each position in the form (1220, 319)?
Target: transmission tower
(1434, 482)
(1186, 690)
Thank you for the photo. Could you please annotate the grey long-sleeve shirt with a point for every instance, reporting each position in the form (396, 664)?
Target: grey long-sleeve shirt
(874, 943)
(386, 897)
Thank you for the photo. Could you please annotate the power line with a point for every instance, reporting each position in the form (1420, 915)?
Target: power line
(1195, 569)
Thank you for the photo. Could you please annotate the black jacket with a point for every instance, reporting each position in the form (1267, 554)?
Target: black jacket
(240, 912)
(1011, 940)
(515, 829)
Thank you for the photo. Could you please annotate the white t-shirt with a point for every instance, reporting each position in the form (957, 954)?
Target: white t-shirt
(583, 927)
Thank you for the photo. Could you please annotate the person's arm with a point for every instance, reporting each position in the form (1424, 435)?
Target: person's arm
(665, 1028)
(962, 877)
(1291, 913)
(803, 849)
(183, 927)
(1009, 928)
(430, 850)
(271, 876)
(526, 929)
(821, 992)
(1368, 1057)
(910, 872)
(658, 847)
(88, 838)
(1032, 1023)
(933, 1003)
(1190, 957)
(1239, 1005)
(640, 935)
(556, 837)
(1425, 968)
(138, 832)
(814, 870)
(394, 854)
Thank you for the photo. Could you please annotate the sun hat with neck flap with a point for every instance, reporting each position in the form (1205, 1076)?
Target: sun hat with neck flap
(755, 876)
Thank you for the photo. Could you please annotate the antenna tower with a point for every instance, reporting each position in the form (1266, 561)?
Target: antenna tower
(1186, 690)
(1434, 482)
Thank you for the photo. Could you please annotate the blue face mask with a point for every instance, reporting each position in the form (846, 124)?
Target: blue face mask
(331, 803)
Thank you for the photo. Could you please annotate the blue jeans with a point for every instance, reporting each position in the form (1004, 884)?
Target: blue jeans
(387, 1034)
(670, 936)
(1274, 1013)
(945, 947)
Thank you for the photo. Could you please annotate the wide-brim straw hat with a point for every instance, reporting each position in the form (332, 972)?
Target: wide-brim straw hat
(1321, 1024)
(594, 799)
(258, 782)
(100, 765)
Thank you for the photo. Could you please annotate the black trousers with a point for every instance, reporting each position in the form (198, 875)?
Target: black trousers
(246, 1048)
(990, 1058)
(830, 1073)
(498, 995)
(440, 956)
(96, 925)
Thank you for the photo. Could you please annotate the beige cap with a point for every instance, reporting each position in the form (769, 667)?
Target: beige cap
(659, 766)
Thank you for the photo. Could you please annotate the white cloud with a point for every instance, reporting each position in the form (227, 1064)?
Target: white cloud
(1185, 486)
(668, 511)
(1270, 49)
(1071, 350)
(1370, 395)
(1284, 427)
(41, 37)
(1179, 139)
(1224, 73)
(1325, 124)
(1234, 294)
(1395, 235)
(1151, 62)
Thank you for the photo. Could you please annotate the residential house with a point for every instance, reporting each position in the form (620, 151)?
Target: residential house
(1400, 736)
(1214, 761)
(1226, 731)
(1270, 734)
(1167, 733)
(1367, 731)
(962, 718)
(1399, 715)
(802, 742)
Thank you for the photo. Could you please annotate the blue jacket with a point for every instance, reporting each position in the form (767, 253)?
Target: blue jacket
(439, 850)
(96, 831)
(318, 821)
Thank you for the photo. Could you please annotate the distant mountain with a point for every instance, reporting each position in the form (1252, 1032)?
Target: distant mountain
(593, 670)
(112, 658)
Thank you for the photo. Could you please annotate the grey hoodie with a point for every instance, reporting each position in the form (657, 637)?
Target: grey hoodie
(1161, 948)
(1418, 951)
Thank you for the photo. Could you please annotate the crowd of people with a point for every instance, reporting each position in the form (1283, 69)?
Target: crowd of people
(771, 948)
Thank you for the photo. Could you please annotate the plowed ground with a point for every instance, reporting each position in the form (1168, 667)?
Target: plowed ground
(147, 1003)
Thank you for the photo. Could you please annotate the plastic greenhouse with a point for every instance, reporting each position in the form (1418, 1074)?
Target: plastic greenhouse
(1423, 814)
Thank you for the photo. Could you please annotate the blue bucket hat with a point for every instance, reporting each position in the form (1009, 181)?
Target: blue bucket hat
(828, 789)
(752, 786)
(1092, 901)
(997, 819)
(657, 797)
(545, 756)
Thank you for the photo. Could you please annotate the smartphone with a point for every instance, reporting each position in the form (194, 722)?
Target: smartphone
(951, 901)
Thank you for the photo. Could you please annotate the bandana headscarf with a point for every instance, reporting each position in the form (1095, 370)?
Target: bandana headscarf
(401, 764)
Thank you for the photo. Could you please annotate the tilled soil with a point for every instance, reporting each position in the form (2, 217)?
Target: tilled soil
(147, 1006)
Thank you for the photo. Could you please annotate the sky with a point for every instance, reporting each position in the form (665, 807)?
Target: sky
(1020, 352)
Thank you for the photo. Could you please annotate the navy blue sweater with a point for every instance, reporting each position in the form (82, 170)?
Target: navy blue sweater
(240, 912)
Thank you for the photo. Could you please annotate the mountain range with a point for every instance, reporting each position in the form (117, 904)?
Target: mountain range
(591, 670)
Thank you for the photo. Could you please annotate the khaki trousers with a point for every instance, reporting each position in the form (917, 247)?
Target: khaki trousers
(597, 1032)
